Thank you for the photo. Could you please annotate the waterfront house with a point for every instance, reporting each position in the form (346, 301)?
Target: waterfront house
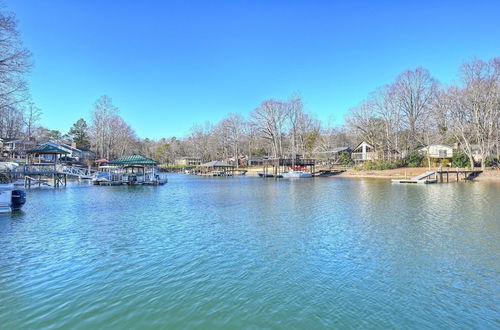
(331, 156)
(253, 160)
(363, 152)
(15, 147)
(188, 161)
(437, 151)
(74, 153)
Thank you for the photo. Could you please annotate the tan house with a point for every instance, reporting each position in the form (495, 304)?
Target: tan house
(188, 161)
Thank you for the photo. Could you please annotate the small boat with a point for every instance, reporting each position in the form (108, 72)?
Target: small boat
(10, 199)
(262, 175)
(8, 166)
(296, 174)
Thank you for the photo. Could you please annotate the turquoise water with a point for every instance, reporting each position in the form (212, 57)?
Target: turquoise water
(253, 253)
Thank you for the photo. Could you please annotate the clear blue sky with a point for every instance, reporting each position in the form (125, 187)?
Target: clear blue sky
(170, 64)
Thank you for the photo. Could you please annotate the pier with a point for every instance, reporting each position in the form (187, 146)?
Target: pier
(277, 166)
(441, 176)
(38, 172)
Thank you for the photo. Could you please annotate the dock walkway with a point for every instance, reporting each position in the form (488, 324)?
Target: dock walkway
(439, 176)
(36, 174)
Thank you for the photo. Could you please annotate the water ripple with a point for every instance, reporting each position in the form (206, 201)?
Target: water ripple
(252, 253)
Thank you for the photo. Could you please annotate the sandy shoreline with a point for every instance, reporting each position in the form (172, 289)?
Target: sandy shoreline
(490, 175)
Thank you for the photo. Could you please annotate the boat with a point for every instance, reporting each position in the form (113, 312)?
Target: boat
(10, 199)
(8, 166)
(296, 174)
(268, 175)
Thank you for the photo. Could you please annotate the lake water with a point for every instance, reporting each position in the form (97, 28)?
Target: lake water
(247, 252)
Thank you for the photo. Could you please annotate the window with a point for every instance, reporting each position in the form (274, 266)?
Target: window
(443, 153)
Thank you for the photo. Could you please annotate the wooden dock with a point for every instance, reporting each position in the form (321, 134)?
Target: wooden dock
(41, 174)
(276, 166)
(440, 176)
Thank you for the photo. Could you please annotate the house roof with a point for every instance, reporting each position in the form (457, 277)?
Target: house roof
(436, 145)
(83, 149)
(369, 145)
(216, 163)
(134, 160)
(4, 139)
(46, 149)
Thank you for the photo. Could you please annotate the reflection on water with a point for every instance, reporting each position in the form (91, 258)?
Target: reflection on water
(235, 252)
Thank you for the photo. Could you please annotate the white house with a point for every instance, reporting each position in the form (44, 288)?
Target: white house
(442, 151)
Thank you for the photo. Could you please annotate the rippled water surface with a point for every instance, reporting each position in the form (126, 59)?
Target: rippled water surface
(247, 252)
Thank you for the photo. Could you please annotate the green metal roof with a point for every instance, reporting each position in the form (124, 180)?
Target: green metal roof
(133, 160)
(46, 149)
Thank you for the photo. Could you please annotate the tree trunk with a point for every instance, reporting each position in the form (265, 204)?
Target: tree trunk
(471, 160)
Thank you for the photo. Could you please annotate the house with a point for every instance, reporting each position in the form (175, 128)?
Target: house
(363, 152)
(15, 147)
(188, 161)
(78, 154)
(332, 155)
(439, 151)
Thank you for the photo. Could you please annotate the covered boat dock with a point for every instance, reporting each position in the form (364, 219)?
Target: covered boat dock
(131, 170)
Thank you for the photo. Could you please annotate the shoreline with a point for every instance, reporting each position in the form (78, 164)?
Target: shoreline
(490, 175)
(401, 173)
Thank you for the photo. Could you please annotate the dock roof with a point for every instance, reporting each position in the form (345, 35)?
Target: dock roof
(216, 163)
(134, 160)
(46, 149)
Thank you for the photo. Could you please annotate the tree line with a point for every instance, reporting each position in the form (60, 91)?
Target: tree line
(414, 110)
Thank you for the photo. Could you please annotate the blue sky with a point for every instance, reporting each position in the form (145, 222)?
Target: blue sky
(170, 64)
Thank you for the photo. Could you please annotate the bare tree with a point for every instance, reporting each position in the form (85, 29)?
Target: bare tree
(414, 90)
(14, 64)
(269, 121)
(231, 130)
(364, 121)
(31, 117)
(110, 135)
(385, 106)
(474, 109)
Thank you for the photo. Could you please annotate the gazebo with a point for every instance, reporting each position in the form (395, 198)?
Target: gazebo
(53, 154)
(100, 162)
(134, 160)
(45, 149)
